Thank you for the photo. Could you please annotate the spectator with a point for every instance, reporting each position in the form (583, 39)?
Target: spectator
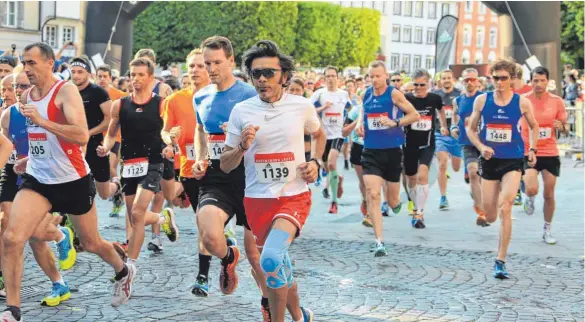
(571, 90)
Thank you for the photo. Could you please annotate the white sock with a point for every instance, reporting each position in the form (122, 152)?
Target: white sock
(412, 195)
(131, 261)
(60, 281)
(422, 193)
(161, 218)
(547, 227)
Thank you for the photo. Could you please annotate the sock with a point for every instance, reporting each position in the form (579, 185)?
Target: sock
(161, 219)
(422, 193)
(264, 302)
(204, 263)
(334, 179)
(131, 261)
(500, 261)
(546, 227)
(229, 257)
(169, 204)
(15, 310)
(60, 281)
(121, 274)
(412, 196)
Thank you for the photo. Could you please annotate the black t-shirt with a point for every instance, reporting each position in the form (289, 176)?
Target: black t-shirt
(422, 133)
(93, 96)
(447, 99)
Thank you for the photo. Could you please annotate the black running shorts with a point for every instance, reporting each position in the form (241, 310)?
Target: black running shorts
(168, 169)
(332, 144)
(550, 164)
(495, 169)
(100, 167)
(355, 155)
(8, 183)
(384, 163)
(227, 197)
(151, 181)
(191, 188)
(415, 157)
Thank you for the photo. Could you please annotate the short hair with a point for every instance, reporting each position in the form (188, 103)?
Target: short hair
(142, 61)
(268, 48)
(172, 81)
(469, 70)
(446, 71)
(217, 43)
(299, 81)
(46, 50)
(105, 68)
(349, 80)
(395, 74)
(359, 79)
(196, 51)
(540, 71)
(505, 65)
(331, 67)
(377, 63)
(8, 60)
(121, 80)
(419, 72)
(519, 71)
(146, 52)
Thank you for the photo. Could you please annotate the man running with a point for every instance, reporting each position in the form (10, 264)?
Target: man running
(386, 111)
(549, 112)
(462, 108)
(57, 177)
(519, 86)
(446, 145)
(277, 198)
(501, 147)
(419, 146)
(330, 103)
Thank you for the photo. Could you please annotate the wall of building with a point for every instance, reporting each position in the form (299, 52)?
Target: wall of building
(477, 34)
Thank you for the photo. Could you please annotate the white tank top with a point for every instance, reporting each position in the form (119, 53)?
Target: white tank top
(52, 160)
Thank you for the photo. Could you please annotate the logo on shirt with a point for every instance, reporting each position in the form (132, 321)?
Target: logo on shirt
(501, 111)
(270, 118)
(139, 110)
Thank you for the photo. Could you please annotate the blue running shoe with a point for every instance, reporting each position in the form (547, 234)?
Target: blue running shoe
(500, 270)
(444, 204)
(385, 208)
(231, 241)
(323, 173)
(417, 221)
(308, 315)
(59, 293)
(201, 287)
(67, 253)
(380, 250)
(318, 181)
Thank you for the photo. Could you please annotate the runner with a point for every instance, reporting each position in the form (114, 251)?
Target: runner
(330, 103)
(419, 146)
(7, 65)
(57, 177)
(386, 111)
(396, 80)
(446, 146)
(14, 126)
(297, 87)
(351, 89)
(139, 119)
(501, 147)
(462, 108)
(277, 198)
(520, 87)
(550, 113)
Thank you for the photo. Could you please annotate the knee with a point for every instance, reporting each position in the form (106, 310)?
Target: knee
(13, 239)
(212, 241)
(442, 165)
(505, 206)
(456, 166)
(271, 262)
(549, 196)
(532, 190)
(473, 176)
(331, 166)
(137, 215)
(372, 194)
(92, 246)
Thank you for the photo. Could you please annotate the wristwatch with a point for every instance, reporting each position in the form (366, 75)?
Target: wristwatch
(318, 162)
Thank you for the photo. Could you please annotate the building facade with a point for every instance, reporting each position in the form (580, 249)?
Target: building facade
(477, 34)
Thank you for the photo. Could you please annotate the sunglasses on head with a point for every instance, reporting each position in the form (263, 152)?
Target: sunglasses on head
(256, 73)
(500, 78)
(419, 84)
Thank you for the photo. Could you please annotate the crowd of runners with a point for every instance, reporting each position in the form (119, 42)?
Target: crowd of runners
(214, 141)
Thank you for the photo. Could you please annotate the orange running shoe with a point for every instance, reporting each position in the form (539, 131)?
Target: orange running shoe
(228, 277)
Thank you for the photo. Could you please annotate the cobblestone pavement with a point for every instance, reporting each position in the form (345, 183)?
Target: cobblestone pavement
(442, 273)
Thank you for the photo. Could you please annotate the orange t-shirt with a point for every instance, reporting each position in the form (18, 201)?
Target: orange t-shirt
(178, 111)
(115, 95)
(525, 89)
(546, 110)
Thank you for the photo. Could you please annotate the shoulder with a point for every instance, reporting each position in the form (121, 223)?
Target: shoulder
(247, 89)
(210, 89)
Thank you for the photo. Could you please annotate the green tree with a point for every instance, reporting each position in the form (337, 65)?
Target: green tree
(360, 37)
(572, 31)
(318, 29)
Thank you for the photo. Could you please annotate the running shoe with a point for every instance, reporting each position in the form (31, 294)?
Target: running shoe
(231, 241)
(318, 181)
(410, 207)
(364, 208)
(385, 208)
(444, 203)
(59, 293)
(323, 173)
(548, 238)
(529, 206)
(417, 221)
(308, 315)
(2, 288)
(366, 221)
(522, 186)
(201, 286)
(500, 270)
(8, 317)
(481, 221)
(265, 309)
(228, 277)
(346, 165)
(380, 250)
(340, 187)
(333, 208)
(326, 193)
(123, 288)
(170, 226)
(67, 253)
(448, 175)
(121, 249)
(396, 210)
(518, 199)
(155, 244)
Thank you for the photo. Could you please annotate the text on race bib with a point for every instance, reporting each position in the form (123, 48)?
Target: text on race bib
(424, 124)
(38, 146)
(275, 167)
(190, 152)
(545, 132)
(13, 157)
(215, 145)
(176, 149)
(332, 119)
(135, 168)
(375, 121)
(499, 133)
(448, 111)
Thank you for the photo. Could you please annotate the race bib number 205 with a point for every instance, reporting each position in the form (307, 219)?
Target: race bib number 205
(38, 146)
(275, 167)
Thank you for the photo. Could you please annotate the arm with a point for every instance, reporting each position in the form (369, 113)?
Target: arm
(113, 127)
(560, 122)
(454, 120)
(319, 141)
(165, 90)
(410, 113)
(200, 143)
(322, 108)
(235, 145)
(5, 150)
(526, 109)
(5, 121)
(471, 128)
(169, 122)
(106, 108)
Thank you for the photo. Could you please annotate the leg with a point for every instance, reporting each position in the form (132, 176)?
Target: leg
(550, 181)
(443, 158)
(253, 255)
(106, 189)
(510, 183)
(140, 217)
(373, 185)
(490, 194)
(332, 173)
(113, 165)
(530, 189)
(44, 257)
(411, 185)
(455, 163)
(157, 207)
(210, 222)
(422, 192)
(475, 184)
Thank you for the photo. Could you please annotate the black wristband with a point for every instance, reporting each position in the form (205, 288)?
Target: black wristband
(242, 147)
(316, 162)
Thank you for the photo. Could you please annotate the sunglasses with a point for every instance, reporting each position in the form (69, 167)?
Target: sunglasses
(500, 78)
(419, 84)
(21, 86)
(395, 80)
(471, 79)
(256, 73)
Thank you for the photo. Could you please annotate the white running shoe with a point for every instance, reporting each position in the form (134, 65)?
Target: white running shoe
(123, 287)
(548, 238)
(8, 317)
(529, 206)
(155, 244)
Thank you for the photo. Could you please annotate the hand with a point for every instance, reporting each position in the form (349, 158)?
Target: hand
(531, 158)
(199, 168)
(30, 111)
(444, 132)
(168, 152)
(102, 151)
(454, 134)
(224, 127)
(308, 171)
(176, 132)
(388, 122)
(20, 166)
(559, 125)
(486, 152)
(248, 136)
(328, 105)
(359, 131)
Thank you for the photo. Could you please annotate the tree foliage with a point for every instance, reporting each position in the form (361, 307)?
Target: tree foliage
(359, 38)
(572, 30)
(318, 29)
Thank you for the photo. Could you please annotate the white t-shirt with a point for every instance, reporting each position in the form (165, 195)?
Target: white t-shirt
(334, 116)
(273, 158)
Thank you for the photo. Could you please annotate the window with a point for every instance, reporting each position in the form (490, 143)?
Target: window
(430, 63)
(418, 35)
(407, 36)
(68, 34)
(465, 56)
(397, 10)
(396, 33)
(478, 57)
(407, 8)
(468, 6)
(11, 13)
(432, 10)
(418, 9)
(467, 35)
(406, 62)
(480, 34)
(395, 62)
(482, 8)
(444, 9)
(493, 37)
(416, 61)
(383, 6)
(491, 56)
(430, 36)
(51, 35)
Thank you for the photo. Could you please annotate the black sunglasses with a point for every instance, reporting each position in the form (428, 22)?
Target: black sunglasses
(256, 73)
(395, 80)
(419, 84)
(502, 78)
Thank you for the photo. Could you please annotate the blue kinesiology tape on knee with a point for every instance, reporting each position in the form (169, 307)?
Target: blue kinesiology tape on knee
(274, 257)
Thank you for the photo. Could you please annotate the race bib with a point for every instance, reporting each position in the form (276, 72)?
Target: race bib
(275, 167)
(176, 149)
(135, 168)
(545, 133)
(216, 143)
(38, 146)
(448, 111)
(13, 157)
(499, 133)
(332, 119)
(190, 152)
(375, 121)
(424, 124)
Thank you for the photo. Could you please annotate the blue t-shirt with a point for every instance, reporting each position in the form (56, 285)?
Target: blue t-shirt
(376, 135)
(464, 109)
(500, 128)
(18, 131)
(353, 115)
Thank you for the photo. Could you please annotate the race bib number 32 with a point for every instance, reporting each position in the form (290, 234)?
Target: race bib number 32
(375, 121)
(38, 145)
(499, 133)
(134, 168)
(275, 167)
(216, 143)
